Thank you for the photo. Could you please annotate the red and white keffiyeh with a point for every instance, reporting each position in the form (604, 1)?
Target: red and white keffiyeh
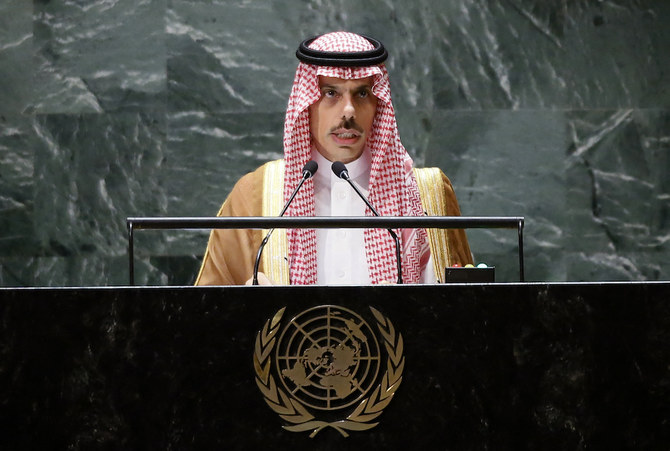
(393, 190)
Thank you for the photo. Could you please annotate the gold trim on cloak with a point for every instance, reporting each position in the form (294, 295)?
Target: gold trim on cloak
(275, 255)
(433, 199)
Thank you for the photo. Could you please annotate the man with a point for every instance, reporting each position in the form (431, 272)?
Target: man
(339, 110)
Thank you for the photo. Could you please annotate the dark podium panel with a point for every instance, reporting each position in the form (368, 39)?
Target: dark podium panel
(499, 366)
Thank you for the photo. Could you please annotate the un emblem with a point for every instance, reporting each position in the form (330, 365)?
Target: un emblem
(328, 361)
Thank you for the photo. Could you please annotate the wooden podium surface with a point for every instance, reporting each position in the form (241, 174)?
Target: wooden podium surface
(492, 366)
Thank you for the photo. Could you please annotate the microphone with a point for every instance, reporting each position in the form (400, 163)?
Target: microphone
(308, 172)
(340, 170)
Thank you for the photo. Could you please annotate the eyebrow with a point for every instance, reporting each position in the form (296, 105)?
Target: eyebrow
(356, 88)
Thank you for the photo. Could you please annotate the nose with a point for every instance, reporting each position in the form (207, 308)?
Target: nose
(348, 110)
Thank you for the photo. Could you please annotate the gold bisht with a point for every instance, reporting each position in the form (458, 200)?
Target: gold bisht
(434, 201)
(275, 255)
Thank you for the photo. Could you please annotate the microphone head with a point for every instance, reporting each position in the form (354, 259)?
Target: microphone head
(309, 169)
(340, 170)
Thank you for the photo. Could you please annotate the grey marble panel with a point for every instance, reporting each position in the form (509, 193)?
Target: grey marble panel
(228, 57)
(91, 172)
(619, 194)
(531, 54)
(219, 61)
(208, 153)
(85, 270)
(504, 163)
(16, 68)
(100, 56)
(592, 185)
(415, 130)
(16, 186)
(557, 111)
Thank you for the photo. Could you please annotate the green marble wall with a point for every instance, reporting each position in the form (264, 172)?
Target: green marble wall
(556, 111)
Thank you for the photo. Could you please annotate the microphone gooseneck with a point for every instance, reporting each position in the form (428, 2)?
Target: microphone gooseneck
(341, 171)
(308, 172)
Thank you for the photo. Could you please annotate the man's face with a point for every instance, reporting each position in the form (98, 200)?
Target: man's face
(341, 120)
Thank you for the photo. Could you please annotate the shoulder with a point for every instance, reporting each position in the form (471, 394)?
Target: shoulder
(246, 197)
(254, 180)
(433, 177)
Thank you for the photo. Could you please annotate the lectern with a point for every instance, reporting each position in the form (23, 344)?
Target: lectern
(464, 366)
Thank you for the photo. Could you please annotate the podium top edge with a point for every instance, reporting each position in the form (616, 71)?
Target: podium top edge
(265, 222)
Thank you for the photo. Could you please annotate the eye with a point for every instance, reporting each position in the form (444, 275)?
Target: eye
(364, 93)
(329, 93)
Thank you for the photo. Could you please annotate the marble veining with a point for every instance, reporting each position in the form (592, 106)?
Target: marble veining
(556, 111)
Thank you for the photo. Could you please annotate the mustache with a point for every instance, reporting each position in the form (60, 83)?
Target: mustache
(349, 124)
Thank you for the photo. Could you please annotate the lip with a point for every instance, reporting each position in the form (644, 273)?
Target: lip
(345, 136)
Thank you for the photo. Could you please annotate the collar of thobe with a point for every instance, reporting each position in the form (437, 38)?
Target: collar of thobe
(356, 168)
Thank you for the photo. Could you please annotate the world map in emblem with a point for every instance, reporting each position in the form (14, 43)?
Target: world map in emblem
(328, 357)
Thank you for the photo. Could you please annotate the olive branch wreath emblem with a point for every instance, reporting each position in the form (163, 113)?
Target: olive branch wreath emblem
(292, 411)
